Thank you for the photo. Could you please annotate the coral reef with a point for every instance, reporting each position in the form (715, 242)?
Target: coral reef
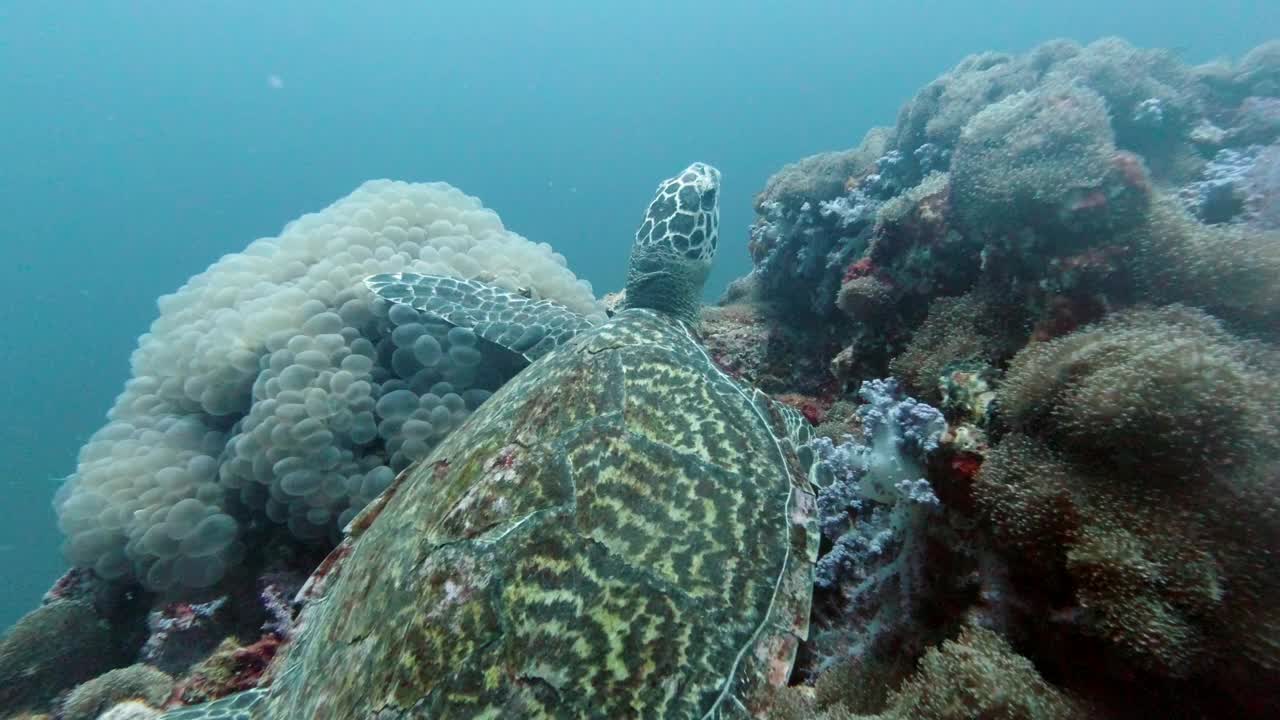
(51, 649)
(1141, 475)
(1042, 167)
(873, 504)
(1072, 254)
(1064, 503)
(131, 710)
(1039, 178)
(229, 669)
(141, 683)
(274, 389)
(1230, 270)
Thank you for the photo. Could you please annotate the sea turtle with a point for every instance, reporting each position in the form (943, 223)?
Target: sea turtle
(621, 531)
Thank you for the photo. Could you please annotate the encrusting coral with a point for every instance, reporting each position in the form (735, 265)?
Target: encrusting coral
(141, 683)
(51, 649)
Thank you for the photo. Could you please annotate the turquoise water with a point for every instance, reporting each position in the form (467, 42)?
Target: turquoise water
(140, 142)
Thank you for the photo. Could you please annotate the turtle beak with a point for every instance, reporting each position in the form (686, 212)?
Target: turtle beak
(708, 178)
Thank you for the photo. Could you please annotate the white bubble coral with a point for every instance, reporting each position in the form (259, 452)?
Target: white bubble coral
(130, 710)
(257, 389)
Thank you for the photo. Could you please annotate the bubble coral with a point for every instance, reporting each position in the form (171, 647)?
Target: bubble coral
(273, 385)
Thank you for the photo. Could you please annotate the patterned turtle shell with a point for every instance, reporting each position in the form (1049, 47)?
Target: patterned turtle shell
(621, 531)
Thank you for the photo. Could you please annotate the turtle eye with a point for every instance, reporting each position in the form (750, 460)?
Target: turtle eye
(708, 199)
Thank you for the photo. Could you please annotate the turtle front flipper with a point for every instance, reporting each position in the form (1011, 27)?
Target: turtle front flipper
(799, 431)
(233, 707)
(525, 326)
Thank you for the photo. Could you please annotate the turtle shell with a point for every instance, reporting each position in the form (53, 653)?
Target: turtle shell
(622, 531)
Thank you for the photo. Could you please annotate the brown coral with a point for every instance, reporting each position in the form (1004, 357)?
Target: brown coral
(136, 682)
(1141, 482)
(1233, 271)
(972, 327)
(1163, 392)
(1044, 160)
(51, 649)
(1138, 568)
(978, 675)
(863, 298)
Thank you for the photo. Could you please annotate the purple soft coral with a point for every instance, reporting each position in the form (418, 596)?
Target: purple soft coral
(873, 504)
(916, 426)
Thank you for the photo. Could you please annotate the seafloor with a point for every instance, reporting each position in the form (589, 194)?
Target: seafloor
(1034, 325)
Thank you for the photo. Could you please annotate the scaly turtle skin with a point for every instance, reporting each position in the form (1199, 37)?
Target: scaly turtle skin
(621, 531)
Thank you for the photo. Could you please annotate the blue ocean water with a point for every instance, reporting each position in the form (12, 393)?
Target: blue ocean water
(140, 141)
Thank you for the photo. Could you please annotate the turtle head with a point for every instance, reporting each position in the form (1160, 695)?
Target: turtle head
(675, 244)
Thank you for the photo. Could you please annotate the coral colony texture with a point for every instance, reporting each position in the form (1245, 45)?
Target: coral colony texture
(1034, 326)
(273, 391)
